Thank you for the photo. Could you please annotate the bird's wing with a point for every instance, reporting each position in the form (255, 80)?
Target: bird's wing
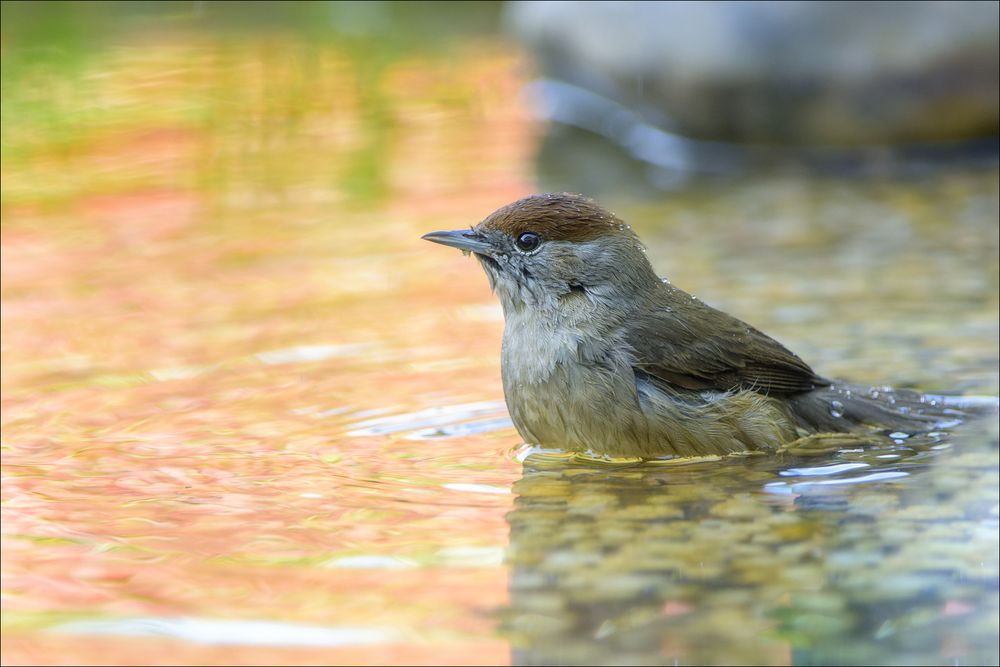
(694, 346)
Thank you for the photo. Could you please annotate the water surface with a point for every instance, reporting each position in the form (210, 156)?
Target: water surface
(249, 417)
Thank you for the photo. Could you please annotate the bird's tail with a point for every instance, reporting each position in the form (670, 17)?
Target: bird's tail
(844, 408)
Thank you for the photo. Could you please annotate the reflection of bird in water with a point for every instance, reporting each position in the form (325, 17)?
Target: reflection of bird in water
(601, 355)
(685, 563)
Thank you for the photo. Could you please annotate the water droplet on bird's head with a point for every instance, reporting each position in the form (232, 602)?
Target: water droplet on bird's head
(836, 409)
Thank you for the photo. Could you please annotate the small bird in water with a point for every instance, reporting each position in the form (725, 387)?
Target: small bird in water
(601, 355)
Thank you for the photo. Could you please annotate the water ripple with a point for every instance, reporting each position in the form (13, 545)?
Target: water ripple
(231, 633)
(786, 488)
(822, 470)
(447, 418)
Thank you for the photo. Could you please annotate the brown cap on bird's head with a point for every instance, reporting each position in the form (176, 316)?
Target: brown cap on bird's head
(555, 217)
(527, 224)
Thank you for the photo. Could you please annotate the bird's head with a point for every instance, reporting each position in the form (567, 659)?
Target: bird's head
(543, 249)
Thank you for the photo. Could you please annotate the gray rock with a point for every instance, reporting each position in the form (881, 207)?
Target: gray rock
(785, 73)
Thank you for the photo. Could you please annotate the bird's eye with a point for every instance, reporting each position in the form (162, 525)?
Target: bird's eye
(528, 241)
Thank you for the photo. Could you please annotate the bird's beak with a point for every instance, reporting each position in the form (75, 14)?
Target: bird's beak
(463, 239)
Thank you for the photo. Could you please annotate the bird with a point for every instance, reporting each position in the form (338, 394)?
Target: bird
(600, 355)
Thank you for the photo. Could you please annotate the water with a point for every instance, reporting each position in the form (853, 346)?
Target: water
(249, 417)
(714, 563)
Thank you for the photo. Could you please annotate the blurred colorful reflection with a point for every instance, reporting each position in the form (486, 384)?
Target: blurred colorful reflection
(248, 417)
